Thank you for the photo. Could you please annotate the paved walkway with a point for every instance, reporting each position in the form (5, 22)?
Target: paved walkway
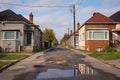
(101, 65)
(23, 67)
(115, 63)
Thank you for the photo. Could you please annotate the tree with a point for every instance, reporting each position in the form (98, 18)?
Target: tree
(49, 35)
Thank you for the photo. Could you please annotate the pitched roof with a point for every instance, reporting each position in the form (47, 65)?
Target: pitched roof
(24, 19)
(98, 17)
(116, 16)
(9, 15)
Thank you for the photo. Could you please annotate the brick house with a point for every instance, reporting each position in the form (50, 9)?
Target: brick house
(96, 33)
(19, 34)
(65, 39)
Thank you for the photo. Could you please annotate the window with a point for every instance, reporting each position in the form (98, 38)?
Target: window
(90, 35)
(10, 35)
(97, 34)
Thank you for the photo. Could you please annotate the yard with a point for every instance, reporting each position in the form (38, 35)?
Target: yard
(11, 58)
(106, 56)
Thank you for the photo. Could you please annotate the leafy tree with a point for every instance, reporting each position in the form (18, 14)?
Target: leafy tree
(49, 35)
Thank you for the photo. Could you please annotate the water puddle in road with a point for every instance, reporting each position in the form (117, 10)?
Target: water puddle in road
(77, 70)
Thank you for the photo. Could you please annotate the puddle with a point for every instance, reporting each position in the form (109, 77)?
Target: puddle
(80, 69)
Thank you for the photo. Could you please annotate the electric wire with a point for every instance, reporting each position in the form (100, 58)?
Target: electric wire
(21, 5)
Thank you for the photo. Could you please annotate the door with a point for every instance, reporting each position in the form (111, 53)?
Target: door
(29, 38)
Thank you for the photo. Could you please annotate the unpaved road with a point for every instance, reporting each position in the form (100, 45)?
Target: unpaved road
(59, 58)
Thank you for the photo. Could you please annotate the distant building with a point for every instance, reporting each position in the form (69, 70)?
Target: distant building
(64, 40)
(71, 38)
(18, 34)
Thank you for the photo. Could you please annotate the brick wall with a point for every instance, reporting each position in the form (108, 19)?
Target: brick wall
(91, 45)
(95, 44)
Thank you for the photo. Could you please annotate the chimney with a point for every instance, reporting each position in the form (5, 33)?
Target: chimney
(94, 13)
(78, 25)
(71, 32)
(31, 17)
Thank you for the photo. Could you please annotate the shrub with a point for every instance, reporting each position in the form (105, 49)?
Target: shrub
(37, 50)
(110, 49)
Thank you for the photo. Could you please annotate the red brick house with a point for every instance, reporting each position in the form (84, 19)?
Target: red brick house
(64, 39)
(96, 33)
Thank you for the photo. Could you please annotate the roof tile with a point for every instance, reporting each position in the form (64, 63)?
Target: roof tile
(98, 17)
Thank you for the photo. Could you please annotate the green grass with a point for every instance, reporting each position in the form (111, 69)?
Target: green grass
(106, 56)
(18, 53)
(11, 57)
(4, 63)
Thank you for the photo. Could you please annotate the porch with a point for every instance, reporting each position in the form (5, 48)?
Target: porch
(116, 39)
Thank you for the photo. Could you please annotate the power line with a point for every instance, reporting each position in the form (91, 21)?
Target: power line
(79, 2)
(21, 5)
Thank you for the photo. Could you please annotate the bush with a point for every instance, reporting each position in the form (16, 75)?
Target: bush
(110, 49)
(37, 50)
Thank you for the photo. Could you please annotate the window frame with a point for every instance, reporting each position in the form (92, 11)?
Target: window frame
(92, 31)
(15, 35)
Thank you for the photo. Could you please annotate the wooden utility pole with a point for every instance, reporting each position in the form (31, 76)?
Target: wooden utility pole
(74, 26)
(68, 31)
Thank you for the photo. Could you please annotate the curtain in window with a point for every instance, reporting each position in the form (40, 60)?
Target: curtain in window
(98, 35)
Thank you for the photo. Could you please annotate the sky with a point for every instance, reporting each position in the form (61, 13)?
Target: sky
(60, 16)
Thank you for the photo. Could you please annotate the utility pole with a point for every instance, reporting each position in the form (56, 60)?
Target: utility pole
(68, 31)
(74, 26)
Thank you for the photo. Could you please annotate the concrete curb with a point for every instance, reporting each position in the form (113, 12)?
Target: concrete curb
(12, 63)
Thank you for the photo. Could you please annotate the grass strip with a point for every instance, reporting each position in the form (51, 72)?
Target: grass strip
(106, 56)
(12, 57)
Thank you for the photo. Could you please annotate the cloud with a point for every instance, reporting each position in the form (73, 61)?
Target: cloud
(58, 18)
(110, 3)
(86, 12)
(57, 21)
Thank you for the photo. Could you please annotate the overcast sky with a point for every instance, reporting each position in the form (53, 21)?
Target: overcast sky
(60, 18)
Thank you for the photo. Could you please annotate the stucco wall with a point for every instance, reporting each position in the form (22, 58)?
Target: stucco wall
(14, 45)
(37, 38)
(118, 26)
(71, 41)
(82, 38)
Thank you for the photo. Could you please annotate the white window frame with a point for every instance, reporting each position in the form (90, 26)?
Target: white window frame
(97, 30)
(15, 36)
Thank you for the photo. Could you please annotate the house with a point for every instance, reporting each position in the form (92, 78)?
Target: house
(19, 34)
(96, 33)
(71, 38)
(116, 31)
(64, 39)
